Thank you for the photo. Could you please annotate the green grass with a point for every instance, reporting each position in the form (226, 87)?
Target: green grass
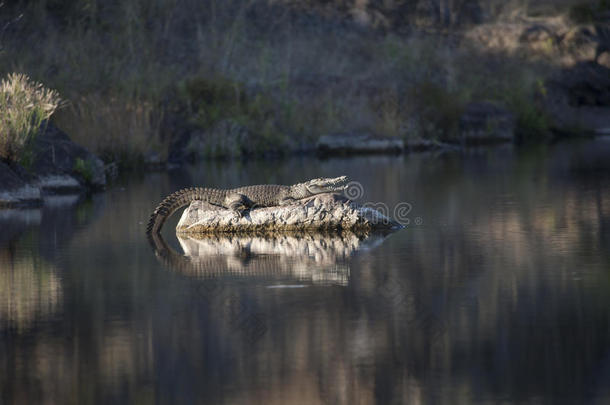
(84, 169)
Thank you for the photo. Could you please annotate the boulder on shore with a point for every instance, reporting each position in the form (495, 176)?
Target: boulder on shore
(324, 212)
(58, 165)
(15, 191)
(62, 165)
(578, 99)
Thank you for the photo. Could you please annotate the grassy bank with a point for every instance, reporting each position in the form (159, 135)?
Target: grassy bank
(138, 73)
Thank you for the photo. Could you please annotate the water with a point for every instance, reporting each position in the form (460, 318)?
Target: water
(497, 291)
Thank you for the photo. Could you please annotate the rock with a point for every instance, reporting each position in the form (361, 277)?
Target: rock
(62, 165)
(111, 170)
(322, 212)
(577, 99)
(358, 143)
(604, 59)
(539, 39)
(486, 122)
(422, 145)
(152, 160)
(578, 45)
(57, 165)
(15, 191)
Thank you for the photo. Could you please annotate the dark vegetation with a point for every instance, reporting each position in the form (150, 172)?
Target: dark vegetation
(143, 78)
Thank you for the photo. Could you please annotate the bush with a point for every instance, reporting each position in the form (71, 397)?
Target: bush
(209, 100)
(532, 123)
(84, 169)
(438, 110)
(24, 105)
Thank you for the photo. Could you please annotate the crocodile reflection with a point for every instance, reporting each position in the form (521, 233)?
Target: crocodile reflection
(304, 258)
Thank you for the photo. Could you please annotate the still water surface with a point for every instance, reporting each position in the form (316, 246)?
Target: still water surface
(497, 291)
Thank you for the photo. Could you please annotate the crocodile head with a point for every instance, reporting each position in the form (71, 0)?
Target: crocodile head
(318, 186)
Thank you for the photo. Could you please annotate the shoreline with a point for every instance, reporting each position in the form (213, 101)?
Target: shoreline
(13, 198)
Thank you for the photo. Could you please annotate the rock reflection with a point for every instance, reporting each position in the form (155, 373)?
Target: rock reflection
(291, 257)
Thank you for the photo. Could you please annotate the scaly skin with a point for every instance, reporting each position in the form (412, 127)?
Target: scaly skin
(243, 198)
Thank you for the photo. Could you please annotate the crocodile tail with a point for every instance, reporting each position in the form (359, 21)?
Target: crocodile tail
(167, 256)
(171, 204)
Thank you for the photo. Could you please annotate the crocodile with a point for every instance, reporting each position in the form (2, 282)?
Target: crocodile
(241, 199)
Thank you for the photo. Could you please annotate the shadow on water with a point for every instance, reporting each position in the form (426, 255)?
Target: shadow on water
(501, 294)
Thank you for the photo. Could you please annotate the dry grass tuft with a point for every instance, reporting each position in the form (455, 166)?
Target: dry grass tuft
(24, 105)
(120, 130)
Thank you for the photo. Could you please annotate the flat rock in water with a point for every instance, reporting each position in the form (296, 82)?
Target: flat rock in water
(358, 143)
(322, 212)
(422, 145)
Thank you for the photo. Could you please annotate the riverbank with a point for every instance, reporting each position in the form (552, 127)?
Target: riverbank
(161, 84)
(57, 166)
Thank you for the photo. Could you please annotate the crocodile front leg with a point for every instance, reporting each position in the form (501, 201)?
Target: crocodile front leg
(287, 201)
(238, 203)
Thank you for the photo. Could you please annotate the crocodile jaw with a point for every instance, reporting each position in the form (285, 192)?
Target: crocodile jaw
(325, 185)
